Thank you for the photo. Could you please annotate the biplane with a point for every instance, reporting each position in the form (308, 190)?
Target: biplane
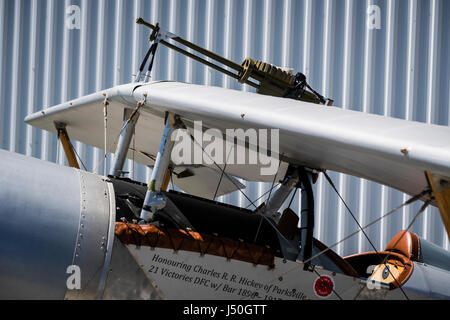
(128, 239)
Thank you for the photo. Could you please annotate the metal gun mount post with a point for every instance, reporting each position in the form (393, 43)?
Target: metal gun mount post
(295, 177)
(306, 216)
(289, 183)
(154, 199)
(440, 186)
(272, 80)
(130, 119)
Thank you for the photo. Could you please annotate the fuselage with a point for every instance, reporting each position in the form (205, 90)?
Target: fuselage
(55, 219)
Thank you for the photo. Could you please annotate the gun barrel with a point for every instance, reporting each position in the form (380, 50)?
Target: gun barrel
(197, 48)
(272, 80)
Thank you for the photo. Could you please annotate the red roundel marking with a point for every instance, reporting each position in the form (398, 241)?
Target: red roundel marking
(323, 286)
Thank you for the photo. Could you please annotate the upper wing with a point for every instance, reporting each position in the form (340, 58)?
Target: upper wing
(84, 119)
(390, 151)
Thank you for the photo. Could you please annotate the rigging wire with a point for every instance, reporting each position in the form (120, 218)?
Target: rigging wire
(349, 210)
(293, 196)
(267, 201)
(152, 51)
(105, 125)
(362, 230)
(276, 185)
(409, 201)
(226, 175)
(171, 178)
(333, 288)
(267, 219)
(139, 105)
(221, 174)
(133, 167)
(422, 209)
(78, 156)
(220, 180)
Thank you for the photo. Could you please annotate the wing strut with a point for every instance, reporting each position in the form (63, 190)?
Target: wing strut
(306, 216)
(274, 203)
(441, 191)
(154, 199)
(67, 146)
(130, 119)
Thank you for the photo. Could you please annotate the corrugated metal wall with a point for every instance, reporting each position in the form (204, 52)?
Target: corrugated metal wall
(400, 70)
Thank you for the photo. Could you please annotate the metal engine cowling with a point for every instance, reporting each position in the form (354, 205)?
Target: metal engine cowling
(53, 217)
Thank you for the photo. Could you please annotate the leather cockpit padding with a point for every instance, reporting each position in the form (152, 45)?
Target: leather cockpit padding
(406, 243)
(176, 239)
(361, 261)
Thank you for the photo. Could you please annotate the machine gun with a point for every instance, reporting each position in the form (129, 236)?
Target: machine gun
(265, 77)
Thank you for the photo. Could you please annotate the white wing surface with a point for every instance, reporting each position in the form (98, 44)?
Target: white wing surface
(390, 151)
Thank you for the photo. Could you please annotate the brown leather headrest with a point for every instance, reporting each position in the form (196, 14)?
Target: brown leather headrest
(406, 243)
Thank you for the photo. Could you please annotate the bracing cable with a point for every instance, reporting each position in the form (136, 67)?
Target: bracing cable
(409, 201)
(422, 209)
(226, 175)
(78, 156)
(267, 201)
(276, 185)
(292, 198)
(139, 105)
(221, 174)
(360, 227)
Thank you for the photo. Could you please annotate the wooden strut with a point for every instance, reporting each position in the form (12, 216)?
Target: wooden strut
(166, 181)
(67, 146)
(440, 187)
